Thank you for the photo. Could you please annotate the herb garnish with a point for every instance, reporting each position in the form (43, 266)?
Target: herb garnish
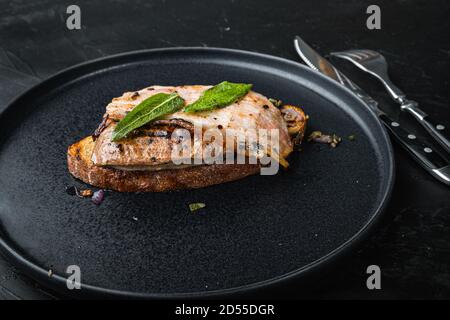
(317, 136)
(150, 109)
(221, 95)
(195, 206)
(277, 103)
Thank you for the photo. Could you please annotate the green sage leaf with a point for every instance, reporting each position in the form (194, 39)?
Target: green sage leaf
(221, 95)
(150, 109)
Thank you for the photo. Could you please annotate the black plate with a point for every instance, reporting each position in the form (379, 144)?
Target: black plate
(253, 232)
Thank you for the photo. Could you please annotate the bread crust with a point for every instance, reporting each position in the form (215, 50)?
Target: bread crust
(199, 176)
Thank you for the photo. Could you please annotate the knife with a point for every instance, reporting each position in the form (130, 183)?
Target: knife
(430, 160)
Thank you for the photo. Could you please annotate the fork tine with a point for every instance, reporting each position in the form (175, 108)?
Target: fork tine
(351, 54)
(363, 54)
(358, 54)
(344, 55)
(371, 53)
(367, 53)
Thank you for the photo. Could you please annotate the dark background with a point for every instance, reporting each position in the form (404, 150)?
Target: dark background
(412, 242)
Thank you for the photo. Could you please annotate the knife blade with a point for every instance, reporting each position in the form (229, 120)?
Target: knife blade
(423, 154)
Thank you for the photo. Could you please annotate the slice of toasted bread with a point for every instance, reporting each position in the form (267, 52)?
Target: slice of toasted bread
(81, 167)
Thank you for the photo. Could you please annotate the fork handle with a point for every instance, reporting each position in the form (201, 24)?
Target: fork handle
(431, 161)
(436, 129)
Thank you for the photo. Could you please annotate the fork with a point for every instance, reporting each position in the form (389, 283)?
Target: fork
(375, 64)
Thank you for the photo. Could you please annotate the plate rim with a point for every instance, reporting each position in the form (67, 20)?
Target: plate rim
(58, 282)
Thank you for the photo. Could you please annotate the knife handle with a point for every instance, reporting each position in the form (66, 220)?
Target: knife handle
(431, 161)
(434, 128)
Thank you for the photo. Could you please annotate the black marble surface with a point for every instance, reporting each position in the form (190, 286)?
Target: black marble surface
(412, 243)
